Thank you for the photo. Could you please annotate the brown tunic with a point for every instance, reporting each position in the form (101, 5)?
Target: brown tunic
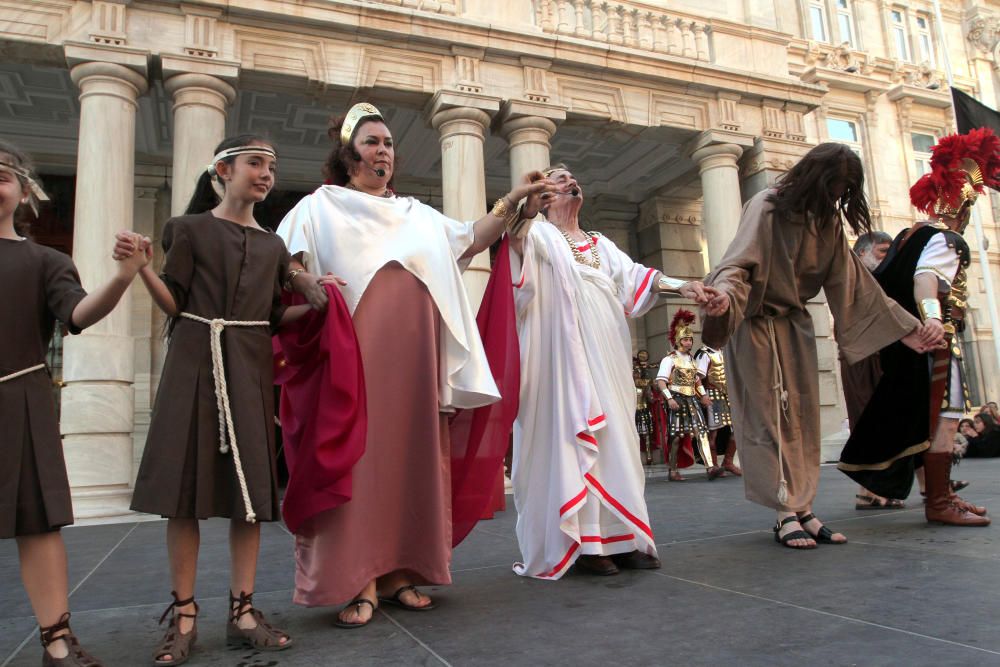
(770, 271)
(399, 516)
(40, 285)
(215, 268)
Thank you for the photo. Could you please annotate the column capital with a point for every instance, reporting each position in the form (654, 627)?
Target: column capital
(200, 89)
(78, 53)
(461, 120)
(512, 110)
(717, 155)
(111, 79)
(465, 103)
(174, 64)
(719, 136)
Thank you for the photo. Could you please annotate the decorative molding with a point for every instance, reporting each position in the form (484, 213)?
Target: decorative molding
(593, 99)
(273, 52)
(382, 68)
(107, 22)
(200, 36)
(982, 30)
(467, 61)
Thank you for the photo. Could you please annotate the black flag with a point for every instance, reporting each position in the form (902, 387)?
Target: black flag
(971, 113)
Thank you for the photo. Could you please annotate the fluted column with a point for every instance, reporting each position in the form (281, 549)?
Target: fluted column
(98, 366)
(463, 180)
(720, 185)
(200, 104)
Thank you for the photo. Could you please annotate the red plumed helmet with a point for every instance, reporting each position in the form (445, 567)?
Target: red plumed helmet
(680, 326)
(961, 165)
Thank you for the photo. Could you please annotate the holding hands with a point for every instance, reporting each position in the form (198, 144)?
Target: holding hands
(713, 301)
(926, 338)
(133, 250)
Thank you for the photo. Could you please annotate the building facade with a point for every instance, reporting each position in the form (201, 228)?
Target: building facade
(671, 114)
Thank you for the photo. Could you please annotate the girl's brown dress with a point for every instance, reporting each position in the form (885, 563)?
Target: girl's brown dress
(40, 285)
(215, 268)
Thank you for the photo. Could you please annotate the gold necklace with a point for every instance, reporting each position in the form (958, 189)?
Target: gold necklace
(352, 186)
(595, 260)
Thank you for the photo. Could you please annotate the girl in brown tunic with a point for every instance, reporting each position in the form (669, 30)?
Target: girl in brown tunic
(40, 285)
(210, 450)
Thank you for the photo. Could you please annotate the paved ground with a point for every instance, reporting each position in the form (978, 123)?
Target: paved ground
(727, 595)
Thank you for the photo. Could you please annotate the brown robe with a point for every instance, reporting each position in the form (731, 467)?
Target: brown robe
(399, 516)
(215, 268)
(40, 285)
(770, 271)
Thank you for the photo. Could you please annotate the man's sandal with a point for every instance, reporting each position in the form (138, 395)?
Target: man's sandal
(263, 637)
(872, 503)
(824, 535)
(356, 602)
(398, 602)
(76, 657)
(785, 540)
(175, 643)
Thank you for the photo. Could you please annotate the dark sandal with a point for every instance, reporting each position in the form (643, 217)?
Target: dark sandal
(395, 599)
(824, 535)
(356, 601)
(175, 643)
(77, 657)
(872, 503)
(263, 637)
(794, 535)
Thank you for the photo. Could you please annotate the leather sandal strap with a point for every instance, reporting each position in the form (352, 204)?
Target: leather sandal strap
(46, 634)
(403, 589)
(244, 600)
(179, 603)
(806, 518)
(787, 520)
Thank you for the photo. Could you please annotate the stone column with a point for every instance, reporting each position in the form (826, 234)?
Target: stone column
(462, 120)
(528, 137)
(200, 103)
(720, 185)
(98, 366)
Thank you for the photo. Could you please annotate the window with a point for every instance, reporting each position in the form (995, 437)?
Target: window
(921, 152)
(848, 132)
(899, 33)
(925, 41)
(817, 20)
(845, 23)
(844, 131)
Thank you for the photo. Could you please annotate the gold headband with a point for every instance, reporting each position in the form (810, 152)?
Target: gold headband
(36, 194)
(240, 150)
(358, 113)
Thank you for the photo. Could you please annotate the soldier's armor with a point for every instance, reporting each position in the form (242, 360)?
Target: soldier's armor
(683, 376)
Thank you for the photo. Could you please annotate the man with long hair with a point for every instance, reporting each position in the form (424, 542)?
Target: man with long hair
(914, 411)
(790, 244)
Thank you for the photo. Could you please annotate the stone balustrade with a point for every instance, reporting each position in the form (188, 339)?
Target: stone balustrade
(433, 6)
(631, 24)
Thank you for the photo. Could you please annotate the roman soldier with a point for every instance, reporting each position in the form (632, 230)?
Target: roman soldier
(915, 409)
(680, 385)
(712, 371)
(643, 416)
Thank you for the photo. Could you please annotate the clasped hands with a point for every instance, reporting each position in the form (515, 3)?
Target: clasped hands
(928, 337)
(713, 301)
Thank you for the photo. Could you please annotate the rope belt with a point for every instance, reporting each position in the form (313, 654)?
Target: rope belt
(222, 398)
(18, 374)
(780, 406)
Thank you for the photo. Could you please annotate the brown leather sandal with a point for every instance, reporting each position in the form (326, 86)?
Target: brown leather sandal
(264, 637)
(175, 643)
(77, 657)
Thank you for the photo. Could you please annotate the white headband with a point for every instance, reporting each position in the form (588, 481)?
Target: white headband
(240, 150)
(36, 193)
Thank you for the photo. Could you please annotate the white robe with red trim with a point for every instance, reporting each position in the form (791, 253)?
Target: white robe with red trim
(577, 476)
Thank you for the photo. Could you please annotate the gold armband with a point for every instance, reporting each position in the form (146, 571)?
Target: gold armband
(668, 284)
(666, 394)
(291, 276)
(930, 309)
(700, 390)
(504, 210)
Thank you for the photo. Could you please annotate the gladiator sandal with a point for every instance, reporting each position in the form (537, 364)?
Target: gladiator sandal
(175, 643)
(264, 637)
(76, 657)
